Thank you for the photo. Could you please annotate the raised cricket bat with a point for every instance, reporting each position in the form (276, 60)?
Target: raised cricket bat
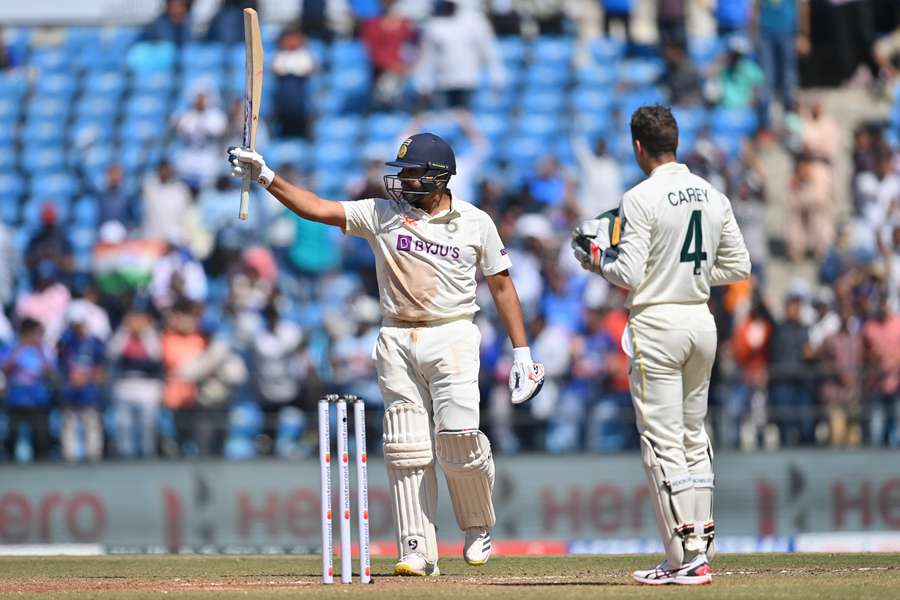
(252, 93)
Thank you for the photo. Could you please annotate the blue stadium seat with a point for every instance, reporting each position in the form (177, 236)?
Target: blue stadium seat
(640, 72)
(44, 131)
(86, 212)
(120, 39)
(83, 238)
(96, 158)
(13, 85)
(293, 152)
(493, 125)
(150, 57)
(90, 130)
(631, 101)
(597, 75)
(704, 50)
(588, 99)
(538, 126)
(554, 51)
(42, 159)
(146, 106)
(289, 432)
(31, 209)
(156, 83)
(47, 108)
(545, 76)
(137, 155)
(107, 83)
(690, 119)
(523, 151)
(11, 186)
(59, 185)
(142, 130)
(9, 211)
(334, 155)
(729, 122)
(512, 49)
(485, 100)
(98, 59)
(338, 128)
(607, 50)
(356, 79)
(99, 107)
(10, 109)
(728, 143)
(592, 123)
(80, 38)
(203, 57)
(348, 54)
(331, 183)
(9, 157)
(60, 85)
(245, 422)
(50, 60)
(544, 101)
(385, 127)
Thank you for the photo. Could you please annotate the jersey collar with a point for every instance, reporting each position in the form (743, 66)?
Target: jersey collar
(669, 168)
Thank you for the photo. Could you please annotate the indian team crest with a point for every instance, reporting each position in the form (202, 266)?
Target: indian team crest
(404, 147)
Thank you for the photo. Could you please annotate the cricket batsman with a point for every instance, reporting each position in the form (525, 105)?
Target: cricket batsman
(673, 237)
(428, 246)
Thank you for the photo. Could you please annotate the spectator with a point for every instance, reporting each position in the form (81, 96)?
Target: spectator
(86, 302)
(234, 134)
(811, 220)
(890, 249)
(617, 11)
(200, 129)
(886, 52)
(115, 202)
(790, 393)
(549, 186)
(173, 25)
(275, 357)
(821, 133)
(741, 81)
(877, 192)
(177, 276)
(135, 352)
(30, 378)
(293, 64)
(853, 29)
(841, 363)
(747, 190)
(166, 200)
(351, 354)
(671, 23)
(46, 303)
(881, 339)
(681, 79)
(743, 414)
(505, 18)
(732, 16)
(314, 19)
(227, 25)
(601, 185)
(81, 363)
(389, 39)
(9, 259)
(457, 42)
(9, 57)
(49, 243)
(825, 321)
(181, 343)
(782, 29)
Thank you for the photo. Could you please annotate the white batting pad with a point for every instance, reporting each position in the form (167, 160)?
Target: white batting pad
(672, 496)
(468, 465)
(409, 458)
(703, 510)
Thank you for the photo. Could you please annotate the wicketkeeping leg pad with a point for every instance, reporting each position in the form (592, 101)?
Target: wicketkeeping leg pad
(409, 458)
(672, 496)
(468, 465)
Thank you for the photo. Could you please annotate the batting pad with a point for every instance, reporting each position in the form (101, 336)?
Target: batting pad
(468, 465)
(409, 459)
(703, 510)
(673, 504)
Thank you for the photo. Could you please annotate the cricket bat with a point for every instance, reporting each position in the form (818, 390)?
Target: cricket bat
(252, 93)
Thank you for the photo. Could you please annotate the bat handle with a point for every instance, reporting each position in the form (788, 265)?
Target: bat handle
(245, 198)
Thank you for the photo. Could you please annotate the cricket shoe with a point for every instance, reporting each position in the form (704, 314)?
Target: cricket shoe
(696, 572)
(477, 549)
(661, 575)
(415, 565)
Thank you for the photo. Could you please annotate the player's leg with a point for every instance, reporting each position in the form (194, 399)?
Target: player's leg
(451, 366)
(698, 449)
(656, 388)
(408, 454)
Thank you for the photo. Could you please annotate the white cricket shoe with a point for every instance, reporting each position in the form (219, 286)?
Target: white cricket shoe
(477, 548)
(696, 572)
(662, 574)
(414, 564)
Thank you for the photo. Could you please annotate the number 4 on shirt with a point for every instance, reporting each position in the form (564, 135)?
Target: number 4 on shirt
(694, 239)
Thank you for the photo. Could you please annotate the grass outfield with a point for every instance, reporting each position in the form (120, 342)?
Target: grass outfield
(768, 576)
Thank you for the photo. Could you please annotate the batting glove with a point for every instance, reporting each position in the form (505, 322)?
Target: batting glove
(589, 254)
(241, 160)
(526, 377)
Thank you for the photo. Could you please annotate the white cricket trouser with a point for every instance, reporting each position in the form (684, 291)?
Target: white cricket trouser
(434, 366)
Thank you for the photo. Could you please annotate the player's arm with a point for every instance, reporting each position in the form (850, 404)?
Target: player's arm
(298, 200)
(732, 262)
(627, 268)
(506, 299)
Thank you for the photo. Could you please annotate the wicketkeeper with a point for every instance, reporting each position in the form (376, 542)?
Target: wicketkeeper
(428, 248)
(678, 238)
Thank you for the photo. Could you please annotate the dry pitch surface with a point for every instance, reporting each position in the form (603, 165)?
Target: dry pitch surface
(769, 576)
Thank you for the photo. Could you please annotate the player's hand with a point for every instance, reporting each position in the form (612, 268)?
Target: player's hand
(242, 160)
(526, 377)
(594, 241)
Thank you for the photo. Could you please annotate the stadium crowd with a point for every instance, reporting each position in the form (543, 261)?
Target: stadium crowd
(141, 319)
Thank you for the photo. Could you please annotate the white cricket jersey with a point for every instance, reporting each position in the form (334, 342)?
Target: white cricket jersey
(426, 265)
(679, 238)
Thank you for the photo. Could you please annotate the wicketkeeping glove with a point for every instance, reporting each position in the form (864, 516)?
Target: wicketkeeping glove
(241, 160)
(595, 241)
(526, 377)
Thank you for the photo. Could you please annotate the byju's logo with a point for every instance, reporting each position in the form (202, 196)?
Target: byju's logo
(404, 242)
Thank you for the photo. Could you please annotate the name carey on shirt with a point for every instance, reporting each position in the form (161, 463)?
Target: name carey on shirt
(688, 196)
(407, 243)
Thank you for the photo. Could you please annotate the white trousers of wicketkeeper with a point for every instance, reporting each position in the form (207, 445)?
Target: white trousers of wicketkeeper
(672, 352)
(428, 375)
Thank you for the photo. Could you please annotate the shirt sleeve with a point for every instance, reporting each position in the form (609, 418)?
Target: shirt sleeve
(732, 258)
(627, 271)
(494, 257)
(361, 217)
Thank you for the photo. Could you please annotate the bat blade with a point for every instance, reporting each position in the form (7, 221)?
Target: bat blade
(252, 94)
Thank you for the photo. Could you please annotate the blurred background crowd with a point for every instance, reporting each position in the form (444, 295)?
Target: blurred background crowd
(142, 319)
